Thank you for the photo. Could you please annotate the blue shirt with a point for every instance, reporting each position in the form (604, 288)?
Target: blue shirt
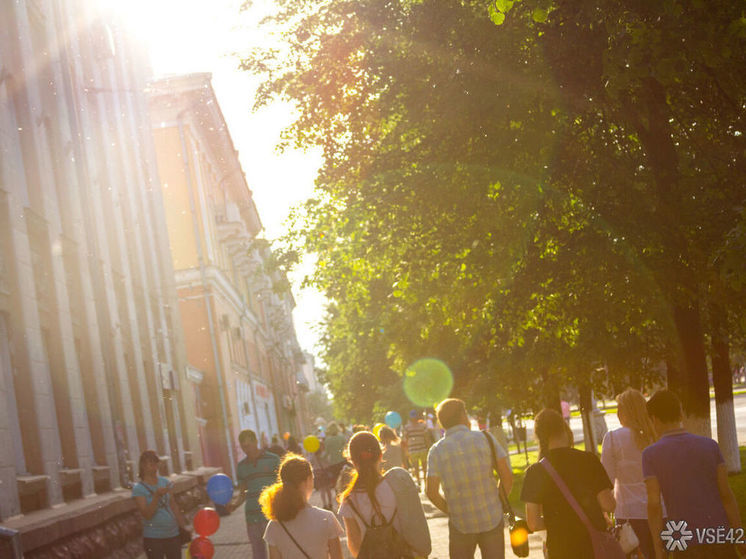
(162, 524)
(685, 466)
(463, 462)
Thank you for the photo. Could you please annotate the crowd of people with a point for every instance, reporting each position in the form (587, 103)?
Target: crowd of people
(651, 470)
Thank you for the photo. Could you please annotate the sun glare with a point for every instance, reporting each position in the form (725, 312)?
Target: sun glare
(186, 36)
(180, 35)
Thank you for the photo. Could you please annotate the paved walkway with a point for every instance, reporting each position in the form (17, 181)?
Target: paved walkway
(231, 541)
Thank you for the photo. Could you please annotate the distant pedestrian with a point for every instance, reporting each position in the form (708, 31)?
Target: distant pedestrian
(334, 446)
(346, 433)
(415, 438)
(565, 406)
(296, 529)
(432, 427)
(585, 478)
(392, 451)
(293, 446)
(688, 471)
(621, 456)
(462, 463)
(255, 472)
(276, 448)
(387, 508)
(322, 481)
(162, 517)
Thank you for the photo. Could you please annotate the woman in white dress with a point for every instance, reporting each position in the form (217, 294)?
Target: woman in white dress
(621, 455)
(296, 529)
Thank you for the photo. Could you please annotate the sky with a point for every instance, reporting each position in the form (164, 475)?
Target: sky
(186, 36)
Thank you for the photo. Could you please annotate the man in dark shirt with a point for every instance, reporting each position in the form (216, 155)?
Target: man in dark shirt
(688, 471)
(585, 477)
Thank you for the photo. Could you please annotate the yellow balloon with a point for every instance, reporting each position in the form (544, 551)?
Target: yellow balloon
(377, 428)
(311, 443)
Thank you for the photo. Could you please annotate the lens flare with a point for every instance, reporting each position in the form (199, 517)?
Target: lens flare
(427, 382)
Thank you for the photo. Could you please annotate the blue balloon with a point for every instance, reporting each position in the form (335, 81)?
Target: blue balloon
(392, 419)
(220, 489)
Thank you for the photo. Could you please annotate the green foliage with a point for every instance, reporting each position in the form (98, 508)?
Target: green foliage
(524, 190)
(319, 406)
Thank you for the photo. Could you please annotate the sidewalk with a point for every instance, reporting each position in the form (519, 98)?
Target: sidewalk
(231, 541)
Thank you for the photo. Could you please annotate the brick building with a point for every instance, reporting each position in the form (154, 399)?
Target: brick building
(244, 358)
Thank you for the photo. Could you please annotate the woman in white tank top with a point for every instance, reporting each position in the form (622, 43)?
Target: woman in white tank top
(621, 455)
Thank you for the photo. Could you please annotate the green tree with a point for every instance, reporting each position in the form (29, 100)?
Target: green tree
(521, 200)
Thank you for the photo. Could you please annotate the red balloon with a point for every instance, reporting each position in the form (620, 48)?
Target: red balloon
(201, 547)
(206, 522)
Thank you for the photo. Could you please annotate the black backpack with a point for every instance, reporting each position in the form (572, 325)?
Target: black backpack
(381, 540)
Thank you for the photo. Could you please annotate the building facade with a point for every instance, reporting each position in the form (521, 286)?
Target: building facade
(244, 358)
(92, 357)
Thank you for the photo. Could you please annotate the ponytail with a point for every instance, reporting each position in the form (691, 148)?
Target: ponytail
(284, 500)
(365, 452)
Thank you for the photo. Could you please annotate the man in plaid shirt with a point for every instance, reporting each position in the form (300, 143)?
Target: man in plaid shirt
(462, 463)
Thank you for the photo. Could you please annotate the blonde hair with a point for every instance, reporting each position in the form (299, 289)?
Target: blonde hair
(631, 403)
(284, 499)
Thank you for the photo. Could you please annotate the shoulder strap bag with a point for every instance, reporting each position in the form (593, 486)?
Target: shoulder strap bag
(605, 545)
(185, 536)
(518, 528)
(293, 539)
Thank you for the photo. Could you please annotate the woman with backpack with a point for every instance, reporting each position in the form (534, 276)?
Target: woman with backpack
(621, 455)
(383, 515)
(297, 530)
(567, 493)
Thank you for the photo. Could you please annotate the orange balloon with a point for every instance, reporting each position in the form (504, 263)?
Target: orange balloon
(206, 522)
(201, 547)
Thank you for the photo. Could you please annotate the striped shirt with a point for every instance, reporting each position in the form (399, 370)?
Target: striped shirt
(463, 462)
(414, 434)
(255, 476)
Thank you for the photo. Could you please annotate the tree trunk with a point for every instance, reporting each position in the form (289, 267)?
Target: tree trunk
(723, 381)
(652, 120)
(695, 389)
(496, 427)
(635, 381)
(551, 392)
(586, 405)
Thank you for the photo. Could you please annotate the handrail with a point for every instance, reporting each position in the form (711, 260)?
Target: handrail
(14, 537)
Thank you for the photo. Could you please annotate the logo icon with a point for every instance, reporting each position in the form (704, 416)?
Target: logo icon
(676, 535)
